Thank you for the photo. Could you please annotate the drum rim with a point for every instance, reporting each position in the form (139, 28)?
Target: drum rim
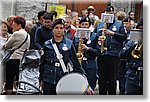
(87, 85)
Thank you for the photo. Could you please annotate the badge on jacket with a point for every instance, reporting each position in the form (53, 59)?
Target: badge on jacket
(89, 41)
(65, 48)
(99, 42)
(114, 28)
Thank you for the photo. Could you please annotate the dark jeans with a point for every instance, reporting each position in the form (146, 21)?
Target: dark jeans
(12, 73)
(107, 66)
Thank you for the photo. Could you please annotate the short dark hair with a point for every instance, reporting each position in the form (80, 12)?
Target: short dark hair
(41, 13)
(20, 20)
(48, 15)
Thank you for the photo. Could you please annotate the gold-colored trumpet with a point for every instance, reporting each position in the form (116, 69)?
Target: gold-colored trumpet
(137, 52)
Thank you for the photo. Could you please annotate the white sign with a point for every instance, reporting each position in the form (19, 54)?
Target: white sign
(107, 18)
(136, 35)
(83, 32)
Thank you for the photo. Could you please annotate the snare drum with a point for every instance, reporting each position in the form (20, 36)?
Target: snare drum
(72, 84)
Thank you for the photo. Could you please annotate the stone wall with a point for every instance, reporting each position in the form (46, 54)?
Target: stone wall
(5, 9)
(25, 8)
(28, 9)
(122, 6)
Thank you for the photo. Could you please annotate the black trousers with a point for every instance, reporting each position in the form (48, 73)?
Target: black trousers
(49, 89)
(12, 72)
(107, 66)
(121, 76)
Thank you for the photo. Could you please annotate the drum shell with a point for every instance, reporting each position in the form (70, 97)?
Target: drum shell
(72, 84)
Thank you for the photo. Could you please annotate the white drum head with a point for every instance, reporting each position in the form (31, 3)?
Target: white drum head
(72, 84)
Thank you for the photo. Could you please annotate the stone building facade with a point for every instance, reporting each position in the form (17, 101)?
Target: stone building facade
(29, 8)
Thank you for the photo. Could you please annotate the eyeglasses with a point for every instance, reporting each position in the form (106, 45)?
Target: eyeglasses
(90, 9)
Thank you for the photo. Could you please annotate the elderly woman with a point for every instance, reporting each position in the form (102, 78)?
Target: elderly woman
(16, 39)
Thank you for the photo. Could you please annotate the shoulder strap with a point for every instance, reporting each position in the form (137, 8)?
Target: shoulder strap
(22, 43)
(59, 57)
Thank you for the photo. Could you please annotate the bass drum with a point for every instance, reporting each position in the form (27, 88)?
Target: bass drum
(72, 84)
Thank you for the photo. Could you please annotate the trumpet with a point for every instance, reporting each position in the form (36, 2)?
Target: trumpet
(137, 52)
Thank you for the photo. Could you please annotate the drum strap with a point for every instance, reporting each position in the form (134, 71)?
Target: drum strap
(59, 57)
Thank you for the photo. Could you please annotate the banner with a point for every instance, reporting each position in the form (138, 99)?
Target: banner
(60, 9)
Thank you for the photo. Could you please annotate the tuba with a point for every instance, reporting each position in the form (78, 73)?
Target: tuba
(80, 51)
(137, 52)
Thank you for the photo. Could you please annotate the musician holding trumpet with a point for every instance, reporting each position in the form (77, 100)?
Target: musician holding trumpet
(111, 37)
(87, 52)
(133, 52)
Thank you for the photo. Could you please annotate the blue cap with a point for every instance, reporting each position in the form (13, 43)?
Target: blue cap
(85, 19)
(109, 8)
(57, 21)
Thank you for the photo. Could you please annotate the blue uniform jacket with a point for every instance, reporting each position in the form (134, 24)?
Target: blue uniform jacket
(52, 73)
(114, 43)
(93, 51)
(92, 44)
(132, 64)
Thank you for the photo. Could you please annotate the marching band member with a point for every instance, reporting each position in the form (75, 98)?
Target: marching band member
(133, 52)
(89, 52)
(128, 24)
(108, 60)
(52, 70)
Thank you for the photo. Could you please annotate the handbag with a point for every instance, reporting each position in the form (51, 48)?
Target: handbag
(7, 55)
(9, 52)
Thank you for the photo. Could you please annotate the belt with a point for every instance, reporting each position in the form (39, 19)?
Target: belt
(112, 48)
(85, 58)
(137, 69)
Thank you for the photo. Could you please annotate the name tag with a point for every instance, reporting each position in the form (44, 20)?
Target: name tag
(57, 64)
